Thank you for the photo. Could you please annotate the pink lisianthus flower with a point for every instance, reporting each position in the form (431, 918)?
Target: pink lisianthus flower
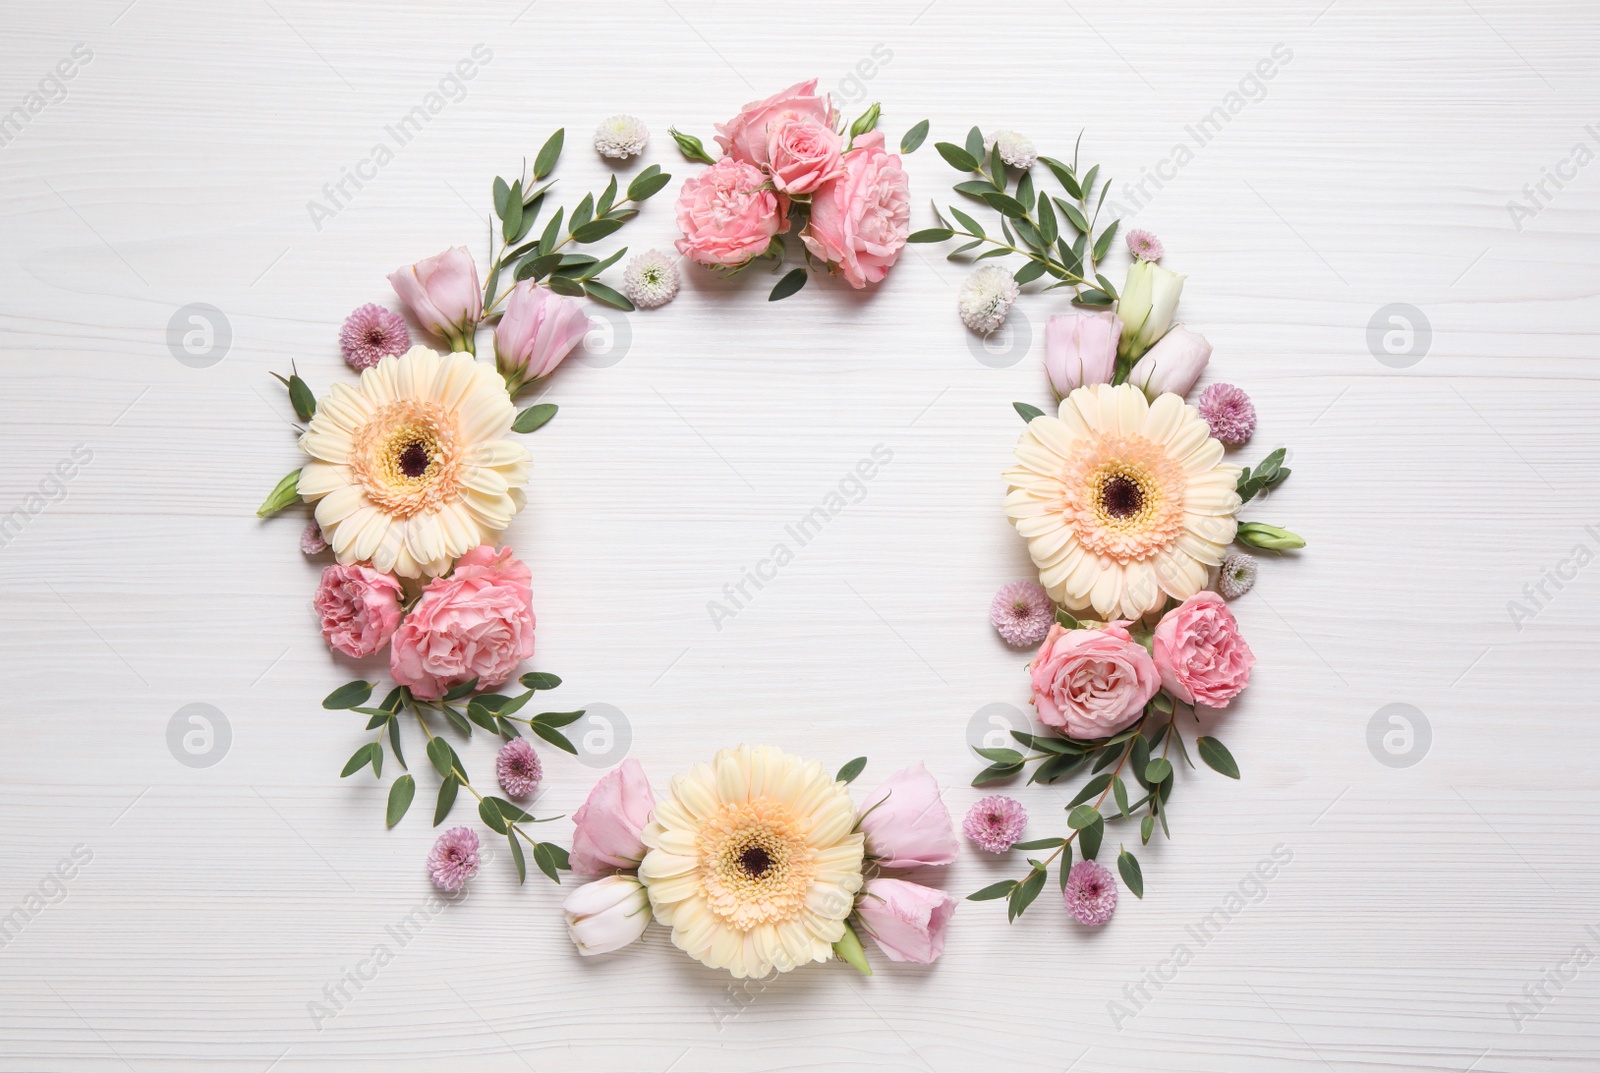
(359, 608)
(907, 919)
(607, 828)
(443, 293)
(537, 331)
(860, 220)
(477, 622)
(1080, 349)
(906, 821)
(803, 152)
(1092, 683)
(1199, 653)
(728, 215)
(745, 137)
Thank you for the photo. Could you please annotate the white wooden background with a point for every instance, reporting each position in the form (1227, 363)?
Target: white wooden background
(217, 903)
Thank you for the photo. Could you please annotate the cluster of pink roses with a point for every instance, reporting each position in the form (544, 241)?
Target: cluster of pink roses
(784, 153)
(475, 622)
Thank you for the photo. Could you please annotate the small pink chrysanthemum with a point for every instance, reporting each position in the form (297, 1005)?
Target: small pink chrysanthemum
(1022, 612)
(1229, 412)
(370, 334)
(995, 823)
(1091, 893)
(1144, 245)
(519, 768)
(311, 542)
(454, 858)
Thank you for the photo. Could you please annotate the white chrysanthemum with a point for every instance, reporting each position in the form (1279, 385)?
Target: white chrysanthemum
(410, 469)
(651, 279)
(986, 297)
(1124, 502)
(1015, 149)
(754, 861)
(621, 136)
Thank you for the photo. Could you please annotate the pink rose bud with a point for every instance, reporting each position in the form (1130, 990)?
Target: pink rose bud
(745, 136)
(478, 622)
(1199, 653)
(1173, 364)
(359, 608)
(803, 152)
(608, 826)
(907, 919)
(1080, 349)
(727, 215)
(1092, 683)
(539, 329)
(860, 220)
(906, 821)
(442, 292)
(607, 914)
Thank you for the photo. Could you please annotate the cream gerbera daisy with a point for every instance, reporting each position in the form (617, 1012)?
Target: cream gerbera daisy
(410, 470)
(1123, 501)
(754, 861)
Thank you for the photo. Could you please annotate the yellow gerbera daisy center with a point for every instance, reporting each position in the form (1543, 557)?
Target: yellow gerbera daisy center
(1123, 497)
(755, 865)
(408, 457)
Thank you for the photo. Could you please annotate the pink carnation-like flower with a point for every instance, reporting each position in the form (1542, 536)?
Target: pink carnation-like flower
(803, 152)
(359, 608)
(1199, 653)
(995, 823)
(1022, 612)
(372, 333)
(518, 768)
(311, 542)
(477, 622)
(747, 135)
(1092, 683)
(454, 858)
(860, 220)
(1091, 893)
(728, 215)
(1144, 245)
(1229, 412)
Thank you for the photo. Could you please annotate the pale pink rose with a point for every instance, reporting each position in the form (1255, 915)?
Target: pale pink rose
(1092, 683)
(608, 826)
(907, 919)
(860, 220)
(1080, 349)
(1199, 653)
(906, 821)
(538, 329)
(442, 292)
(803, 152)
(359, 608)
(744, 137)
(478, 621)
(728, 215)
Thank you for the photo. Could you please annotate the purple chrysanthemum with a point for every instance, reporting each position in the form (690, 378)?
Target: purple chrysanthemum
(311, 542)
(454, 858)
(519, 768)
(995, 823)
(370, 334)
(1091, 894)
(1229, 412)
(1144, 245)
(1022, 612)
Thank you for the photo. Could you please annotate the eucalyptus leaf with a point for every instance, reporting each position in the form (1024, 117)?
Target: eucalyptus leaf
(956, 156)
(1027, 411)
(1217, 757)
(993, 891)
(549, 153)
(605, 295)
(517, 857)
(400, 796)
(848, 773)
(447, 798)
(913, 138)
(1132, 874)
(539, 680)
(533, 418)
(792, 281)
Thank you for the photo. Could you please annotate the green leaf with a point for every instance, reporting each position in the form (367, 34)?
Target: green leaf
(516, 855)
(1119, 791)
(552, 234)
(865, 121)
(457, 721)
(1089, 839)
(1082, 816)
(283, 493)
(1066, 864)
(648, 183)
(996, 773)
(1000, 756)
(358, 760)
(1094, 786)
(1049, 228)
(1147, 827)
(848, 947)
(463, 690)
(993, 891)
(301, 398)
(442, 756)
(400, 795)
(1064, 617)
(566, 286)
(539, 680)
(1027, 411)
(1132, 875)
(447, 798)
(931, 234)
(1139, 759)
(534, 417)
(511, 812)
(791, 282)
(555, 719)
(603, 206)
(479, 713)
(975, 144)
(350, 695)
(956, 156)
(601, 293)
(594, 230)
(594, 267)
(1158, 770)
(1058, 767)
(913, 138)
(394, 742)
(997, 167)
(1074, 217)
(544, 855)
(848, 773)
(1217, 757)
(1005, 204)
(1106, 286)
(502, 194)
(1103, 243)
(511, 222)
(1029, 272)
(1041, 843)
(690, 146)
(548, 155)
(490, 814)
(1025, 893)
(554, 737)
(1063, 175)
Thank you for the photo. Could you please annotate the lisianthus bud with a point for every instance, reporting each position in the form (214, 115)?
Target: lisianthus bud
(1149, 299)
(1173, 365)
(442, 292)
(607, 914)
(1080, 348)
(1268, 537)
(539, 329)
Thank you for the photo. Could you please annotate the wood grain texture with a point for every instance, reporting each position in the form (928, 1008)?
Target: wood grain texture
(1375, 168)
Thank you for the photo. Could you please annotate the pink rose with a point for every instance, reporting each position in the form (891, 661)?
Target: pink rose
(726, 215)
(442, 292)
(478, 621)
(359, 608)
(907, 919)
(803, 152)
(744, 137)
(1199, 653)
(906, 821)
(608, 826)
(1092, 683)
(538, 330)
(859, 221)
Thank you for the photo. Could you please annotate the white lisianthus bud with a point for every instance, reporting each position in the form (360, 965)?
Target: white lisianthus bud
(1174, 364)
(1149, 300)
(607, 914)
